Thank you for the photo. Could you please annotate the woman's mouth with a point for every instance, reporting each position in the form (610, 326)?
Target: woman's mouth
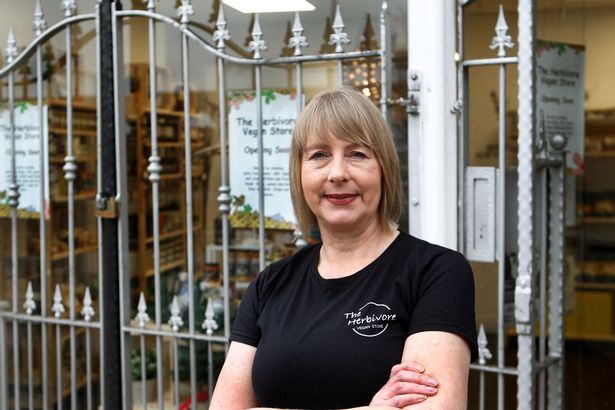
(340, 199)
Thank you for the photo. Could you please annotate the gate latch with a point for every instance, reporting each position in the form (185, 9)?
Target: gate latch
(106, 207)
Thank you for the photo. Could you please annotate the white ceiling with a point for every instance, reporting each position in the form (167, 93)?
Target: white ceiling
(488, 6)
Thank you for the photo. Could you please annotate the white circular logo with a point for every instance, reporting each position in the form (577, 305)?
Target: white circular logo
(370, 320)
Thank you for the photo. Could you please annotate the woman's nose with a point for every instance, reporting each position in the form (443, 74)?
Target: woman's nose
(338, 170)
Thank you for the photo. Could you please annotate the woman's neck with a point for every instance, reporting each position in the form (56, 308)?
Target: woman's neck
(343, 254)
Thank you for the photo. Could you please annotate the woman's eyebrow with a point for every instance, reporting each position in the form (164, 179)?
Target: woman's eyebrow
(320, 145)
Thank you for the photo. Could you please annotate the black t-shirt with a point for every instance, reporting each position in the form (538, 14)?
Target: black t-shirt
(331, 343)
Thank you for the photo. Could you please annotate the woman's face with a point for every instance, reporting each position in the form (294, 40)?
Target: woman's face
(341, 183)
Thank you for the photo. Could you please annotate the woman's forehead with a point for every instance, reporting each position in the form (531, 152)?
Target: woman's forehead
(328, 138)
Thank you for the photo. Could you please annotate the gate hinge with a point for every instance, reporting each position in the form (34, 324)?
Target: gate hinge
(414, 92)
(106, 207)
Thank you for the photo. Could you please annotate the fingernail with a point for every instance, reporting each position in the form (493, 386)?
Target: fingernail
(431, 389)
(432, 381)
(418, 367)
(422, 397)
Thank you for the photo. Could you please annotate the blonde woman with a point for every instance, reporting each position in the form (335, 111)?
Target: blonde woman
(351, 321)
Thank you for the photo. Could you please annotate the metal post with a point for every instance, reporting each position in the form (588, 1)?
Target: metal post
(189, 230)
(524, 315)
(39, 26)
(154, 168)
(70, 170)
(111, 347)
(224, 199)
(3, 366)
(99, 236)
(385, 60)
(542, 226)
(555, 383)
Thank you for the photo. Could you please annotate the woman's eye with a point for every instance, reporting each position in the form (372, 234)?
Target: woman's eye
(318, 155)
(358, 154)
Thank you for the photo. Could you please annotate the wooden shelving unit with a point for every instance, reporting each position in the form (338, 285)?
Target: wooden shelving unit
(593, 236)
(171, 143)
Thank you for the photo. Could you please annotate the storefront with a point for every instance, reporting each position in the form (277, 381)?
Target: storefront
(156, 211)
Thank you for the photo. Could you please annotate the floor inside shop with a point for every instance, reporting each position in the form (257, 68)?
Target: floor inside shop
(590, 371)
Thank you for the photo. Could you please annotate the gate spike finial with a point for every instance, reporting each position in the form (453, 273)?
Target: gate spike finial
(501, 39)
(221, 34)
(184, 11)
(483, 351)
(57, 308)
(299, 238)
(257, 44)
(339, 38)
(88, 311)
(151, 5)
(39, 25)
(209, 324)
(142, 316)
(11, 46)
(30, 304)
(175, 321)
(69, 7)
(298, 41)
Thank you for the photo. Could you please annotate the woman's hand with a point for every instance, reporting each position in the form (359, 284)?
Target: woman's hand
(406, 385)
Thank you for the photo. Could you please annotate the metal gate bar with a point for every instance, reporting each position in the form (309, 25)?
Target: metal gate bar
(556, 280)
(548, 202)
(13, 195)
(184, 11)
(39, 26)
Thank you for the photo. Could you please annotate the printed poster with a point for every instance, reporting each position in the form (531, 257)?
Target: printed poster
(560, 102)
(27, 149)
(279, 117)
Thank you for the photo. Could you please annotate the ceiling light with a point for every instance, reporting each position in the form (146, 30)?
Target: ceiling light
(269, 6)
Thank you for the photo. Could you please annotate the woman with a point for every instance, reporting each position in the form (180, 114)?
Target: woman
(326, 327)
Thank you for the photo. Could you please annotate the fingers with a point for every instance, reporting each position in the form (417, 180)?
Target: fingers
(401, 388)
(414, 377)
(406, 400)
(412, 366)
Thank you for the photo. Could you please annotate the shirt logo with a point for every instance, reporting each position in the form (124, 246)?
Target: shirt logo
(371, 320)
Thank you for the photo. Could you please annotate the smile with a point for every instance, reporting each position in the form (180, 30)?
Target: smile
(341, 199)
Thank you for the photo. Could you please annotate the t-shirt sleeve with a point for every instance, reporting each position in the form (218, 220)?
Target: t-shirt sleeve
(245, 329)
(445, 299)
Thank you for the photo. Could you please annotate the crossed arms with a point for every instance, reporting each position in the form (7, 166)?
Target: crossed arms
(446, 358)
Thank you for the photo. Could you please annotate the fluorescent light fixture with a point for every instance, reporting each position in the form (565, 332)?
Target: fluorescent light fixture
(269, 6)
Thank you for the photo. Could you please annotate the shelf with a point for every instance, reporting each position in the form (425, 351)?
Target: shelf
(77, 105)
(595, 286)
(77, 197)
(600, 154)
(597, 220)
(165, 267)
(172, 234)
(76, 131)
(172, 144)
(82, 158)
(78, 251)
(178, 175)
(590, 337)
(81, 383)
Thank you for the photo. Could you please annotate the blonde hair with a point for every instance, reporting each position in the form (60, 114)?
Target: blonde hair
(346, 114)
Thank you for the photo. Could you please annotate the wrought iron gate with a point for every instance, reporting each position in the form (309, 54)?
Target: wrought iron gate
(105, 343)
(533, 244)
